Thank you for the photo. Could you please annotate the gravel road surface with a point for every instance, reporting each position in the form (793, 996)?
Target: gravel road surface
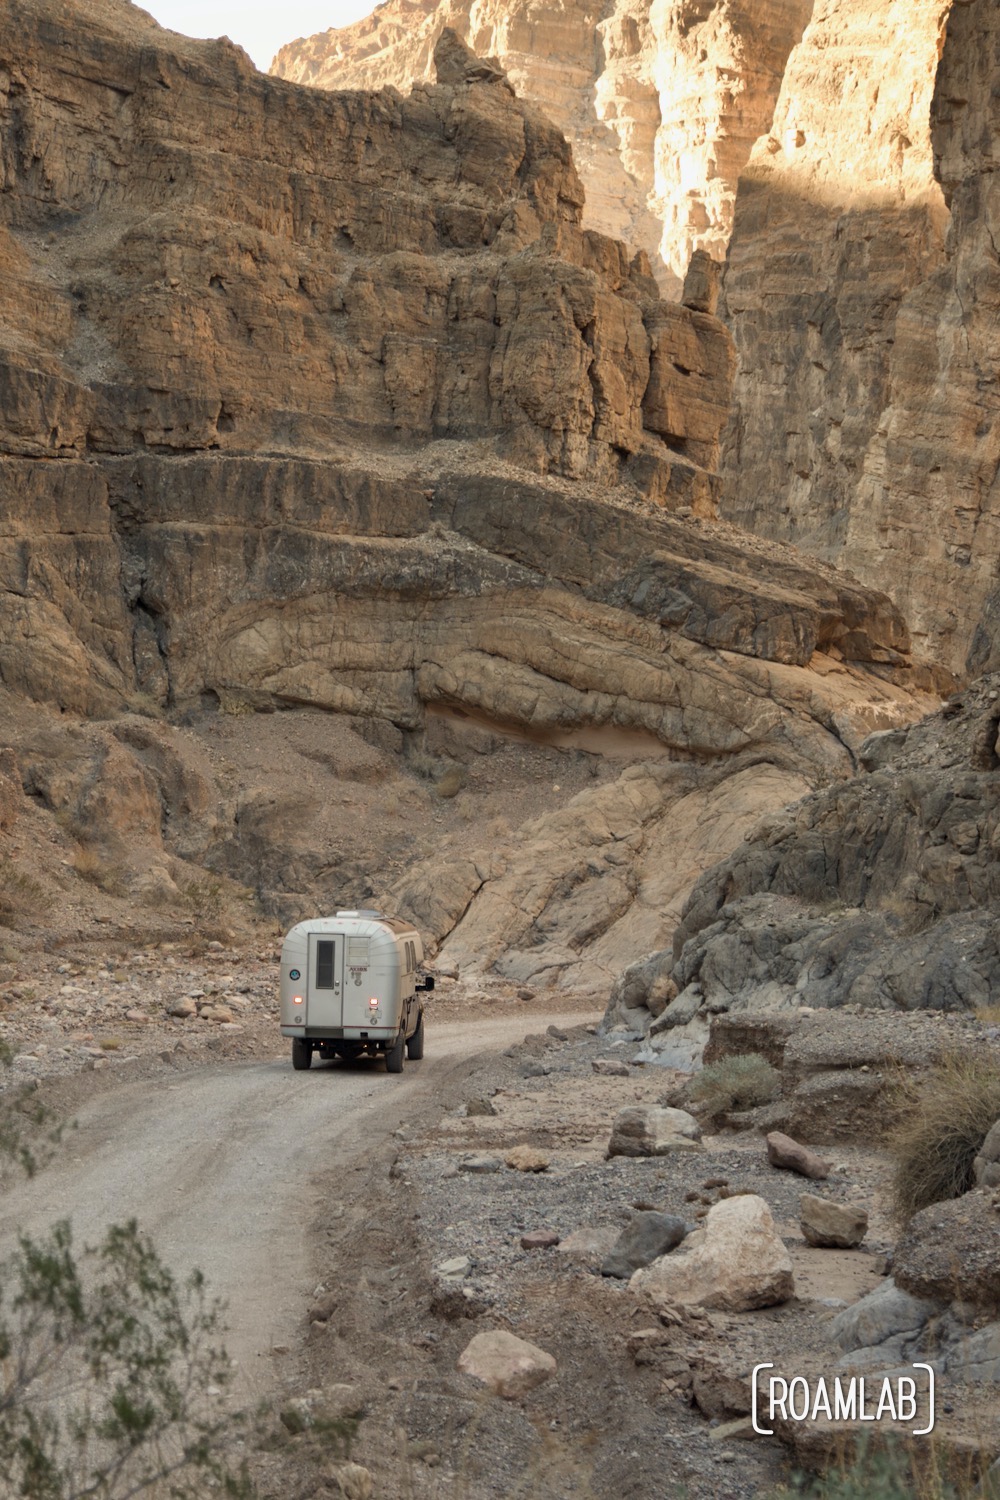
(226, 1167)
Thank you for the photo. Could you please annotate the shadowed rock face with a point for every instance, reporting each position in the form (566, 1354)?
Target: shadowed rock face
(862, 294)
(881, 892)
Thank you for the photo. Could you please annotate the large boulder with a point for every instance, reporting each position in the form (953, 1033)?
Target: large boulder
(738, 1261)
(951, 1251)
(987, 1164)
(649, 1131)
(885, 1313)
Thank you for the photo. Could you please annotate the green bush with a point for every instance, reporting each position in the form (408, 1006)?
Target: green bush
(896, 1471)
(735, 1083)
(945, 1117)
(113, 1379)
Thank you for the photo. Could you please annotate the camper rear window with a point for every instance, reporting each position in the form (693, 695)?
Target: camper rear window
(324, 966)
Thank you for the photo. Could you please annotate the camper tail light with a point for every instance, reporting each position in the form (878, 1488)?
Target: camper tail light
(296, 999)
(373, 1003)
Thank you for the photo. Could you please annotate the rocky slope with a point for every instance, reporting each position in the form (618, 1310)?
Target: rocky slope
(879, 893)
(661, 103)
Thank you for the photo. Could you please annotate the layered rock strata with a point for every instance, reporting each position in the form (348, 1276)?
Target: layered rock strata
(661, 103)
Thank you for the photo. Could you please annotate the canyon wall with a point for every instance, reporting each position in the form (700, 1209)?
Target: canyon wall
(661, 103)
(328, 402)
(861, 292)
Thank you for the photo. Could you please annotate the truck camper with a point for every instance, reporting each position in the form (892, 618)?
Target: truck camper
(350, 985)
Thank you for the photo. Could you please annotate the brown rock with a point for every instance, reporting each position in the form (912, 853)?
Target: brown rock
(527, 1159)
(787, 1154)
(589, 1245)
(951, 1252)
(829, 1224)
(610, 1067)
(539, 1239)
(220, 1014)
(183, 1009)
(510, 1366)
(719, 1392)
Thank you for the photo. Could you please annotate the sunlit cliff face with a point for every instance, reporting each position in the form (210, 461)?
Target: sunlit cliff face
(661, 102)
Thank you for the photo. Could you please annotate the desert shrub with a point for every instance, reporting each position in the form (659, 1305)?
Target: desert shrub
(19, 894)
(236, 704)
(451, 783)
(89, 865)
(896, 1471)
(945, 1116)
(113, 1378)
(736, 1083)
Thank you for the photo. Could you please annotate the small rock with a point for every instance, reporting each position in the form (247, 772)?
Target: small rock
(539, 1239)
(455, 1269)
(527, 1159)
(350, 1480)
(510, 1366)
(649, 1235)
(480, 1164)
(535, 1069)
(323, 1308)
(476, 1107)
(650, 1131)
(525, 994)
(219, 1014)
(787, 1154)
(183, 1009)
(610, 1067)
(589, 1246)
(838, 1226)
(557, 1034)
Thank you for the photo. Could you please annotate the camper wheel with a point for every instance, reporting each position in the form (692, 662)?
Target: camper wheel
(415, 1046)
(394, 1054)
(302, 1054)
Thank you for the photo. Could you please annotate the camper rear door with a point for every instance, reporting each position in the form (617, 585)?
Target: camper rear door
(326, 979)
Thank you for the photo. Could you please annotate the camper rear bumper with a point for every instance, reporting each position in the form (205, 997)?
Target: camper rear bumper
(342, 1033)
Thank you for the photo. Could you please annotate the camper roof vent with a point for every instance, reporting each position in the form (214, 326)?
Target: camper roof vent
(363, 912)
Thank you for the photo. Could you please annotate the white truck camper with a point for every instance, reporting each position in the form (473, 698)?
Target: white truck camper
(350, 985)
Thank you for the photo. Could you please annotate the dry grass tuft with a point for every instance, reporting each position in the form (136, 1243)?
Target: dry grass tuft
(735, 1083)
(946, 1116)
(89, 865)
(20, 895)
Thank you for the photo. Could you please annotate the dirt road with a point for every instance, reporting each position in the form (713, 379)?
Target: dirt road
(225, 1167)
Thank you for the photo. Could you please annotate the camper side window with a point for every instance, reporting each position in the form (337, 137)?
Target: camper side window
(324, 966)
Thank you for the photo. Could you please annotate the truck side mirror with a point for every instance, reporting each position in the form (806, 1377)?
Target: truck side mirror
(427, 982)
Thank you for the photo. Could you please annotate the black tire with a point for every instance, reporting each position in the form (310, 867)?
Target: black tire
(415, 1046)
(394, 1054)
(302, 1055)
